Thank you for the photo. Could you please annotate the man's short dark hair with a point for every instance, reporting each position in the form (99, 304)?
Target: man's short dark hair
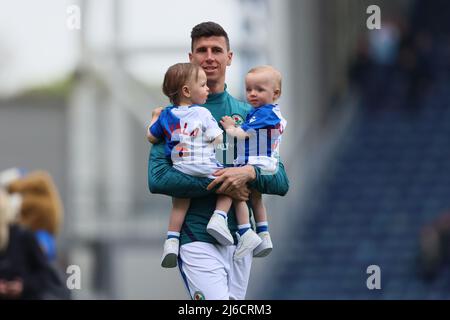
(208, 29)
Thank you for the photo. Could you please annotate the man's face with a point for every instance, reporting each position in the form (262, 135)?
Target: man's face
(212, 55)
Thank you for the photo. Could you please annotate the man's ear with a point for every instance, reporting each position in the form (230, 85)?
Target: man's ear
(230, 57)
(190, 57)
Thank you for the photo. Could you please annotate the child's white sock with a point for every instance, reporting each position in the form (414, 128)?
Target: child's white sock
(221, 213)
(242, 228)
(173, 234)
(262, 226)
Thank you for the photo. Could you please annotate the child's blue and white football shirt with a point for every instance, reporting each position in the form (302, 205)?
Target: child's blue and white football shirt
(265, 125)
(189, 132)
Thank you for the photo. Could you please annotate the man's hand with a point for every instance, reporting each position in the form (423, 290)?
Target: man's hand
(227, 122)
(234, 181)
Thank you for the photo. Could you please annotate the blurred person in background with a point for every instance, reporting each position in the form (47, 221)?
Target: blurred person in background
(32, 213)
(40, 205)
(23, 264)
(434, 246)
(391, 68)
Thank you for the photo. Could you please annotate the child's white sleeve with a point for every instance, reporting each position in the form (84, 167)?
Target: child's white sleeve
(210, 126)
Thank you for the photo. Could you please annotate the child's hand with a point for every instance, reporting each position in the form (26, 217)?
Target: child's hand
(227, 122)
(156, 112)
(155, 115)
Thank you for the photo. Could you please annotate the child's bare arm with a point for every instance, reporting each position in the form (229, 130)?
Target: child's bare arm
(237, 132)
(228, 124)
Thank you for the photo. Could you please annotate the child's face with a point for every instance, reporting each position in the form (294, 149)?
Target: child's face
(198, 89)
(260, 89)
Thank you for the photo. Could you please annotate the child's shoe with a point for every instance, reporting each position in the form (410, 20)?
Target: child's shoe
(247, 243)
(265, 246)
(170, 255)
(218, 228)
